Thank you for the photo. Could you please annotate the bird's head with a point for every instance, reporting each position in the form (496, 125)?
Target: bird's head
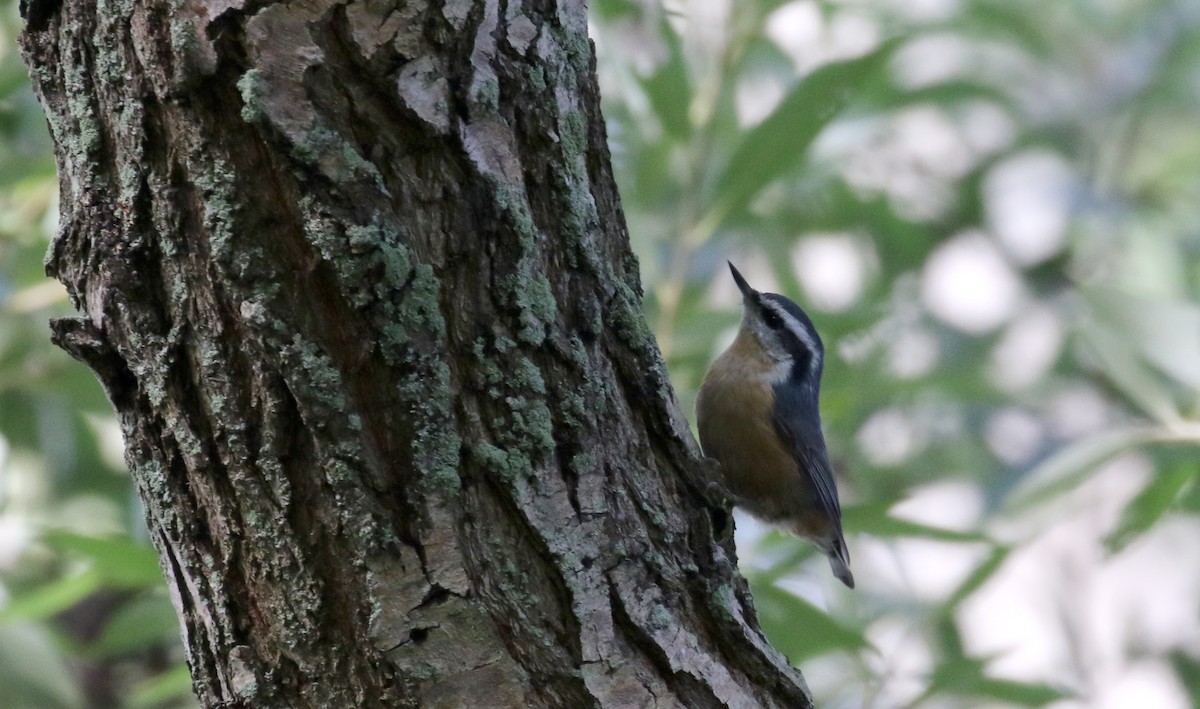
(784, 332)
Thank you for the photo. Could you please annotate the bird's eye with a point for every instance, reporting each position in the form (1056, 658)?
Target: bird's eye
(772, 319)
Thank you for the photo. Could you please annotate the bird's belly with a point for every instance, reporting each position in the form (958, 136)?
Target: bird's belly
(758, 471)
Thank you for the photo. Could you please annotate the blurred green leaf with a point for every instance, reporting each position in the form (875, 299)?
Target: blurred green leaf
(616, 9)
(46, 600)
(947, 93)
(669, 88)
(1151, 504)
(1125, 369)
(799, 629)
(873, 518)
(18, 418)
(142, 622)
(966, 677)
(33, 674)
(121, 562)
(1011, 21)
(1068, 466)
(1187, 669)
(172, 685)
(778, 143)
(1162, 331)
(976, 579)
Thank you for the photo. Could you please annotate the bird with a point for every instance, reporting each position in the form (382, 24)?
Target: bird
(757, 413)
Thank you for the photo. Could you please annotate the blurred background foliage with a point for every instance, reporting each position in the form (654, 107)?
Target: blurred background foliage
(992, 212)
(991, 209)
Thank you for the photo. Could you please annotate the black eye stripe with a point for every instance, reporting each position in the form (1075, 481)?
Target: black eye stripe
(792, 334)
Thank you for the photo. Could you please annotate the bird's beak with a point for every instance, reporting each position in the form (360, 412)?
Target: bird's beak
(747, 292)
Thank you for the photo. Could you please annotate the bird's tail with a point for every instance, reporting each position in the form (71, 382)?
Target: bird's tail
(839, 561)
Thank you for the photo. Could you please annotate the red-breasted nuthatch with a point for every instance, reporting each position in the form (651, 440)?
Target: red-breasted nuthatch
(757, 414)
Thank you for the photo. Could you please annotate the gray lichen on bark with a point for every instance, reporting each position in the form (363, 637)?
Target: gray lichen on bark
(355, 276)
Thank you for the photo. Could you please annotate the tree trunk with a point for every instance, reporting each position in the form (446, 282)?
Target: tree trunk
(356, 279)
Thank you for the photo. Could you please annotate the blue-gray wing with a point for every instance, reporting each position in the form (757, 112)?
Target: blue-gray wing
(798, 424)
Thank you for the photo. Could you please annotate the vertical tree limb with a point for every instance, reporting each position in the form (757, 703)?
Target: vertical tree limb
(356, 279)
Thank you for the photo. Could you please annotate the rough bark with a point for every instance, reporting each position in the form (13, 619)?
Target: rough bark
(356, 279)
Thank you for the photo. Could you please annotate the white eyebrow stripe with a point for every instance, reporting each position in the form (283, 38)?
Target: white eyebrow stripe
(797, 328)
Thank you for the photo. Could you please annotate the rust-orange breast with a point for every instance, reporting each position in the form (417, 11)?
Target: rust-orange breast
(734, 410)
